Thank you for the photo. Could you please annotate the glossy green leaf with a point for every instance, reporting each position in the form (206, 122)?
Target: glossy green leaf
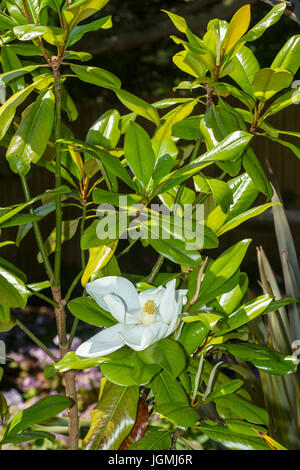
(98, 258)
(245, 67)
(82, 9)
(180, 414)
(113, 418)
(166, 389)
(176, 251)
(288, 57)
(45, 408)
(193, 335)
(254, 169)
(241, 218)
(246, 313)
(244, 194)
(87, 310)
(221, 270)
(69, 229)
(10, 61)
(167, 353)
(72, 362)
(263, 358)
(139, 153)
(268, 82)
(237, 27)
(8, 109)
(138, 106)
(125, 367)
(13, 292)
(154, 439)
(96, 76)
(271, 18)
(233, 440)
(105, 131)
(31, 138)
(79, 31)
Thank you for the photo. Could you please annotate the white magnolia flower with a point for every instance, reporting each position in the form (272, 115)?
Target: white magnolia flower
(144, 318)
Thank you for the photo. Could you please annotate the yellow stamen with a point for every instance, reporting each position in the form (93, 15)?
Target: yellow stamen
(149, 307)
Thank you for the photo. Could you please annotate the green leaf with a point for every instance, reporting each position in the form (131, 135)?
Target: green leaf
(52, 34)
(233, 440)
(96, 76)
(10, 61)
(188, 129)
(79, 31)
(268, 82)
(221, 270)
(288, 57)
(45, 408)
(244, 194)
(237, 27)
(230, 148)
(254, 169)
(87, 310)
(139, 153)
(167, 353)
(166, 389)
(241, 218)
(246, 313)
(69, 229)
(225, 389)
(175, 250)
(138, 106)
(71, 361)
(125, 367)
(13, 291)
(244, 408)
(154, 439)
(105, 131)
(271, 18)
(98, 258)
(245, 67)
(180, 414)
(32, 136)
(82, 9)
(263, 358)
(193, 335)
(8, 109)
(28, 436)
(113, 418)
(18, 208)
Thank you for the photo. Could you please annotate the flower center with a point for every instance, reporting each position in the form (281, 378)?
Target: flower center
(148, 312)
(149, 307)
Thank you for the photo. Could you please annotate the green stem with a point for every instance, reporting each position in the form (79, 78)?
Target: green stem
(44, 297)
(72, 286)
(37, 232)
(35, 339)
(57, 262)
(156, 269)
(83, 219)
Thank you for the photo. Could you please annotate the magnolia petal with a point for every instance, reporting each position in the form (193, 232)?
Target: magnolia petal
(181, 294)
(168, 305)
(105, 342)
(116, 307)
(117, 285)
(140, 337)
(151, 294)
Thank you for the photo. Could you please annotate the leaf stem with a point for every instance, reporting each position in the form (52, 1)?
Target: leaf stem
(37, 232)
(35, 339)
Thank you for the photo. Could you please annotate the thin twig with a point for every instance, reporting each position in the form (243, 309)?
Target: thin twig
(198, 286)
(35, 339)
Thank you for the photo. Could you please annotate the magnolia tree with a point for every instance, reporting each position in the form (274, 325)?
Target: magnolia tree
(172, 347)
